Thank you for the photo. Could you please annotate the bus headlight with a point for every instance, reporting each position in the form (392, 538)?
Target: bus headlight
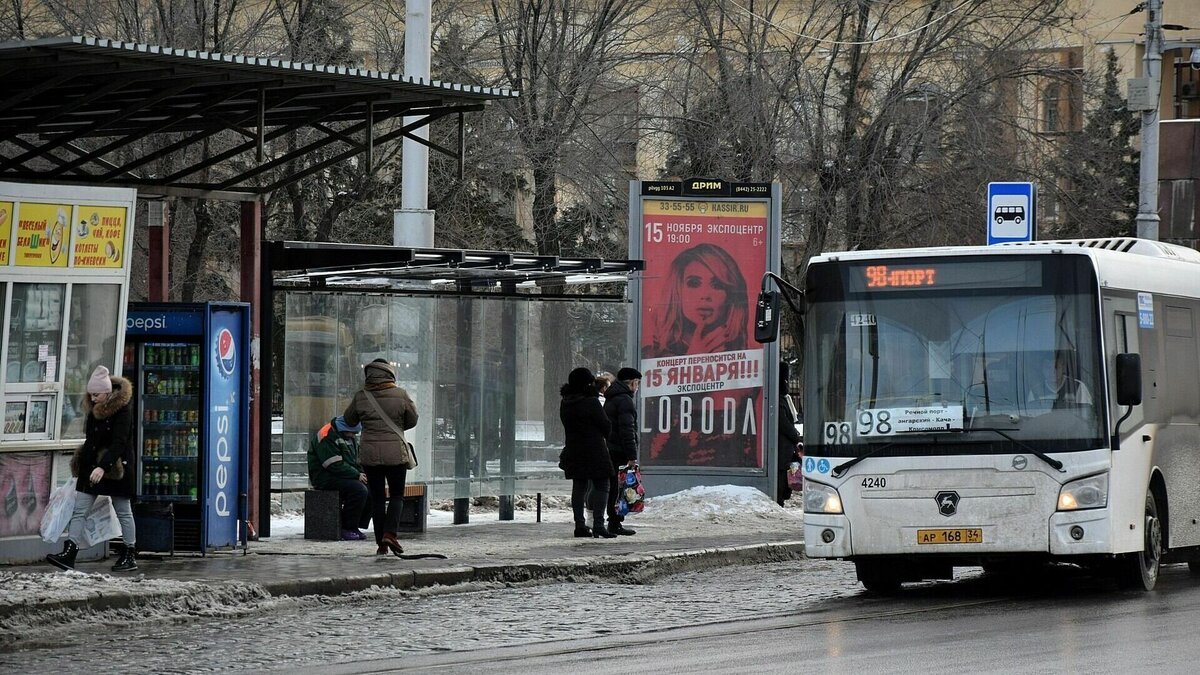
(821, 498)
(1085, 493)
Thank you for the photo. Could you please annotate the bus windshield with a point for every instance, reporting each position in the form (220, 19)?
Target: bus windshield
(953, 355)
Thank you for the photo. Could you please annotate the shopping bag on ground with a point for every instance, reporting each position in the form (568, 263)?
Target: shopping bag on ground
(58, 513)
(101, 524)
(631, 495)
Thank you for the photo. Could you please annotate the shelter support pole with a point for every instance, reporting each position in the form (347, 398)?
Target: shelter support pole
(251, 275)
(160, 256)
(265, 314)
(464, 423)
(508, 406)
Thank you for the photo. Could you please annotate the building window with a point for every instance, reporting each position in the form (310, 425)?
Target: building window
(1060, 98)
(1052, 102)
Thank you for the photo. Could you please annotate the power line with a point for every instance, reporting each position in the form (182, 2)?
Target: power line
(849, 42)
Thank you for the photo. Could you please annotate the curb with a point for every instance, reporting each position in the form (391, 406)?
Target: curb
(635, 568)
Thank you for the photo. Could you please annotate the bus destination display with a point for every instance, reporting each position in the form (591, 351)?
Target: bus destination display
(947, 275)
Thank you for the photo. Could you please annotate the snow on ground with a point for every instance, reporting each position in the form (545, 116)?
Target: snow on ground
(720, 504)
(721, 509)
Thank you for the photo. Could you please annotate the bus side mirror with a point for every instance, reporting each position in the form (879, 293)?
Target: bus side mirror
(1129, 379)
(766, 317)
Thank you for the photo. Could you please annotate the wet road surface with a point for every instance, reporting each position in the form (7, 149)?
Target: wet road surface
(802, 616)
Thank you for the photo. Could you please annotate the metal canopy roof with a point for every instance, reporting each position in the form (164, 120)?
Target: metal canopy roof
(361, 267)
(72, 105)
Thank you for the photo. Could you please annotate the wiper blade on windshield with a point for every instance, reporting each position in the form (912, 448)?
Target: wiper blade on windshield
(844, 466)
(1036, 453)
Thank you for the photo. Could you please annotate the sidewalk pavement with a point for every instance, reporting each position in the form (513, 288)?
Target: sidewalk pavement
(711, 527)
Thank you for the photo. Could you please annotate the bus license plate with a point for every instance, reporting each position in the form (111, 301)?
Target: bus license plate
(973, 535)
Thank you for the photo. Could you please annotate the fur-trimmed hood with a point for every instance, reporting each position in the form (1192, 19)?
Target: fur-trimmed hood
(121, 395)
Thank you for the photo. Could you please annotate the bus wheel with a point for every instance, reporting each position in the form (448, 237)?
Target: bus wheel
(1140, 570)
(877, 577)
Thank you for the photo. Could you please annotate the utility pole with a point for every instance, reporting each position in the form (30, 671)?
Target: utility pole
(412, 223)
(1147, 216)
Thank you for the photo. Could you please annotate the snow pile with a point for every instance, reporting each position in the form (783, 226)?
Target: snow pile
(38, 587)
(719, 504)
(27, 593)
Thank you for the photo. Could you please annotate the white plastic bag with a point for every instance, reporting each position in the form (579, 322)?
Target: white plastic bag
(58, 512)
(101, 524)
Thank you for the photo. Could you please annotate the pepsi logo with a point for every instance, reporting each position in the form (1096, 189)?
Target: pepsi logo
(226, 353)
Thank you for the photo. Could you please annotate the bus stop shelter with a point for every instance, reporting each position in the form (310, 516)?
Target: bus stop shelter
(91, 111)
(465, 332)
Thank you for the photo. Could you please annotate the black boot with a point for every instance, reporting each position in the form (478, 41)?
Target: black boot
(617, 528)
(66, 559)
(126, 561)
(598, 529)
(582, 530)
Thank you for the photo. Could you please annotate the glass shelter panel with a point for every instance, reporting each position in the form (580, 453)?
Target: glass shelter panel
(475, 367)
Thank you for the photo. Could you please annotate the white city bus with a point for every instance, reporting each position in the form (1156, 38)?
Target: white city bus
(993, 405)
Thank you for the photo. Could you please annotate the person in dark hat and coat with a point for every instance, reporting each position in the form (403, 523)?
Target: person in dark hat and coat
(333, 465)
(103, 466)
(622, 439)
(381, 455)
(585, 454)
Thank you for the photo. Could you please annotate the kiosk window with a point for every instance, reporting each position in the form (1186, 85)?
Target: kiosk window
(91, 341)
(34, 332)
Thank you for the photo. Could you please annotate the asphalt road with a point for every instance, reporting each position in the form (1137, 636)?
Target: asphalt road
(1054, 620)
(798, 616)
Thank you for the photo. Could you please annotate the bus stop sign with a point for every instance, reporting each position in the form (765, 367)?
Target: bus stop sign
(1010, 212)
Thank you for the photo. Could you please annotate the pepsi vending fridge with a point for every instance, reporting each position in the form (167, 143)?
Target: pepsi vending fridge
(189, 367)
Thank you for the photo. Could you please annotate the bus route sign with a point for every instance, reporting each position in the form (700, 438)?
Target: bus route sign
(1011, 211)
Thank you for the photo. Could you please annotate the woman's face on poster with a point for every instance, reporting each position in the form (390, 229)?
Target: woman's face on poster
(704, 295)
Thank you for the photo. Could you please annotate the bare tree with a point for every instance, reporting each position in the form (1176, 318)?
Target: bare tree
(558, 53)
(870, 114)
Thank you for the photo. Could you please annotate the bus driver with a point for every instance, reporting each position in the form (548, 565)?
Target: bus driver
(1057, 388)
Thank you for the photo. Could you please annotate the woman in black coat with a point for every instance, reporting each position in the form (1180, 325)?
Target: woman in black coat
(585, 455)
(103, 466)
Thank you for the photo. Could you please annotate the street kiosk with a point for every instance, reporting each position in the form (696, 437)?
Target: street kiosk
(64, 273)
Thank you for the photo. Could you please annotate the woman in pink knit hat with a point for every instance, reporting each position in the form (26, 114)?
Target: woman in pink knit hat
(102, 466)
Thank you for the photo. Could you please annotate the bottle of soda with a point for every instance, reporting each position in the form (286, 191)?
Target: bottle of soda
(195, 354)
(146, 480)
(192, 483)
(175, 482)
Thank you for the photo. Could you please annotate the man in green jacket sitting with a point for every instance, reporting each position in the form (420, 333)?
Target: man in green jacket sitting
(333, 465)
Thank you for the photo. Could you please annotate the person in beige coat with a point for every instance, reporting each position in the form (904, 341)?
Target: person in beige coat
(381, 454)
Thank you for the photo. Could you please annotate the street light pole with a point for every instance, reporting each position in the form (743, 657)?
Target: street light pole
(1147, 216)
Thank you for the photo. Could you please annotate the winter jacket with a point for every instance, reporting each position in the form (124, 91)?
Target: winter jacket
(622, 416)
(380, 445)
(331, 458)
(109, 427)
(585, 453)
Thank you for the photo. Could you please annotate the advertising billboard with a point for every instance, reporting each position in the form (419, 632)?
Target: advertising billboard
(225, 425)
(703, 374)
